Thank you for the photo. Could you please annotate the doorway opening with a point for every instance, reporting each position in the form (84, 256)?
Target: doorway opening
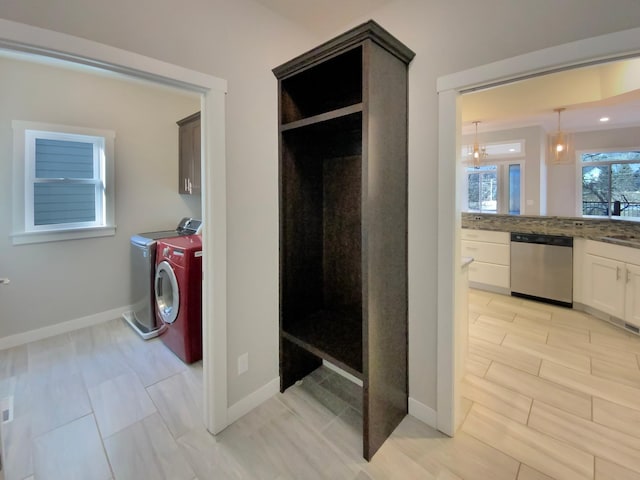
(16, 37)
(582, 53)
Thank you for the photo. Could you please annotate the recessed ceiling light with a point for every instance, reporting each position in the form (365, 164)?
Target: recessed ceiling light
(604, 119)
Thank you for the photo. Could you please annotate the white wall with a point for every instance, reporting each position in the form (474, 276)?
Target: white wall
(240, 41)
(59, 281)
(562, 179)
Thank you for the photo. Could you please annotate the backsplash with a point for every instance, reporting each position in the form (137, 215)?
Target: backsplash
(593, 229)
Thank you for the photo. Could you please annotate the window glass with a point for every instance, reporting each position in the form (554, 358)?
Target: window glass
(499, 150)
(609, 156)
(514, 189)
(473, 192)
(59, 203)
(610, 184)
(625, 189)
(483, 188)
(63, 159)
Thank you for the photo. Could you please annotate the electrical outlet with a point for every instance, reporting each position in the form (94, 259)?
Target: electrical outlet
(6, 409)
(578, 223)
(477, 217)
(243, 363)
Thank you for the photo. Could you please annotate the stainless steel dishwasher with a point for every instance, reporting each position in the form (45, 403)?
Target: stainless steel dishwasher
(542, 268)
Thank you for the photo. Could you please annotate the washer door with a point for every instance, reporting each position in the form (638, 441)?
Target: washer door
(167, 293)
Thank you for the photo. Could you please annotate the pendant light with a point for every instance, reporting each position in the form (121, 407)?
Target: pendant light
(560, 141)
(478, 153)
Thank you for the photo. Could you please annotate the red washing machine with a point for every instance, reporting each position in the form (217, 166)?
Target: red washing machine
(178, 289)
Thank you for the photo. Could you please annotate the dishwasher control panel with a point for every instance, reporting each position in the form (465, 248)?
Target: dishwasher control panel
(541, 239)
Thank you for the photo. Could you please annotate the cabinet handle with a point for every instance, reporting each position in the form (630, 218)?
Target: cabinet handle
(617, 273)
(185, 184)
(628, 275)
(189, 182)
(471, 248)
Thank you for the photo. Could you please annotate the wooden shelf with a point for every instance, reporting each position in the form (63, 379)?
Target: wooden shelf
(323, 117)
(332, 336)
(343, 219)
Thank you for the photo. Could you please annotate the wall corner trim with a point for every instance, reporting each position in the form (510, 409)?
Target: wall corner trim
(423, 413)
(62, 327)
(254, 399)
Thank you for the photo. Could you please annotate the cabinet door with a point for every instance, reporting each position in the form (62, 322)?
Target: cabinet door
(604, 285)
(189, 162)
(185, 165)
(633, 294)
(195, 158)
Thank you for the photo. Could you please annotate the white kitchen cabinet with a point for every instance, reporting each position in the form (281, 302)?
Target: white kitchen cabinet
(490, 251)
(604, 285)
(632, 303)
(610, 283)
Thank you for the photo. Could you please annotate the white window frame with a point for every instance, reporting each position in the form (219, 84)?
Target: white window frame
(578, 177)
(24, 178)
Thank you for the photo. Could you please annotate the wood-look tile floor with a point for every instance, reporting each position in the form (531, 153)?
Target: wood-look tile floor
(550, 393)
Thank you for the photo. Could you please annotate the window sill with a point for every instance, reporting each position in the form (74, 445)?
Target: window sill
(26, 238)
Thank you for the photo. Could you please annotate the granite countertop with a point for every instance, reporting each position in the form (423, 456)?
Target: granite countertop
(619, 232)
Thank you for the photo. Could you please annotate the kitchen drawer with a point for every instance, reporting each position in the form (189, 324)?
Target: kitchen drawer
(486, 236)
(489, 274)
(486, 252)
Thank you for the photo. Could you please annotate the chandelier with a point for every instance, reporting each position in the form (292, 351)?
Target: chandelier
(560, 141)
(478, 153)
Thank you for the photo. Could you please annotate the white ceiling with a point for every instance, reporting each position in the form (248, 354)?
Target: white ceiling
(588, 94)
(323, 16)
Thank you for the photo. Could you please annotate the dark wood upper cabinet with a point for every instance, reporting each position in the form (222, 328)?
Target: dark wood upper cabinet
(343, 219)
(189, 155)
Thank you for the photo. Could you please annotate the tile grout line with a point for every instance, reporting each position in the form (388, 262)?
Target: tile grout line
(530, 410)
(488, 444)
(104, 448)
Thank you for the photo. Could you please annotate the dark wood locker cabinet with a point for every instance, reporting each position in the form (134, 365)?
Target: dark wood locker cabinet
(189, 155)
(343, 219)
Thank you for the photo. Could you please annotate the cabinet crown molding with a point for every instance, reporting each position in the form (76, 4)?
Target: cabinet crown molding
(367, 31)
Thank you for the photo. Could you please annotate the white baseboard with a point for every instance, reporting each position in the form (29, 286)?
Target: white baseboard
(62, 327)
(423, 413)
(251, 401)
